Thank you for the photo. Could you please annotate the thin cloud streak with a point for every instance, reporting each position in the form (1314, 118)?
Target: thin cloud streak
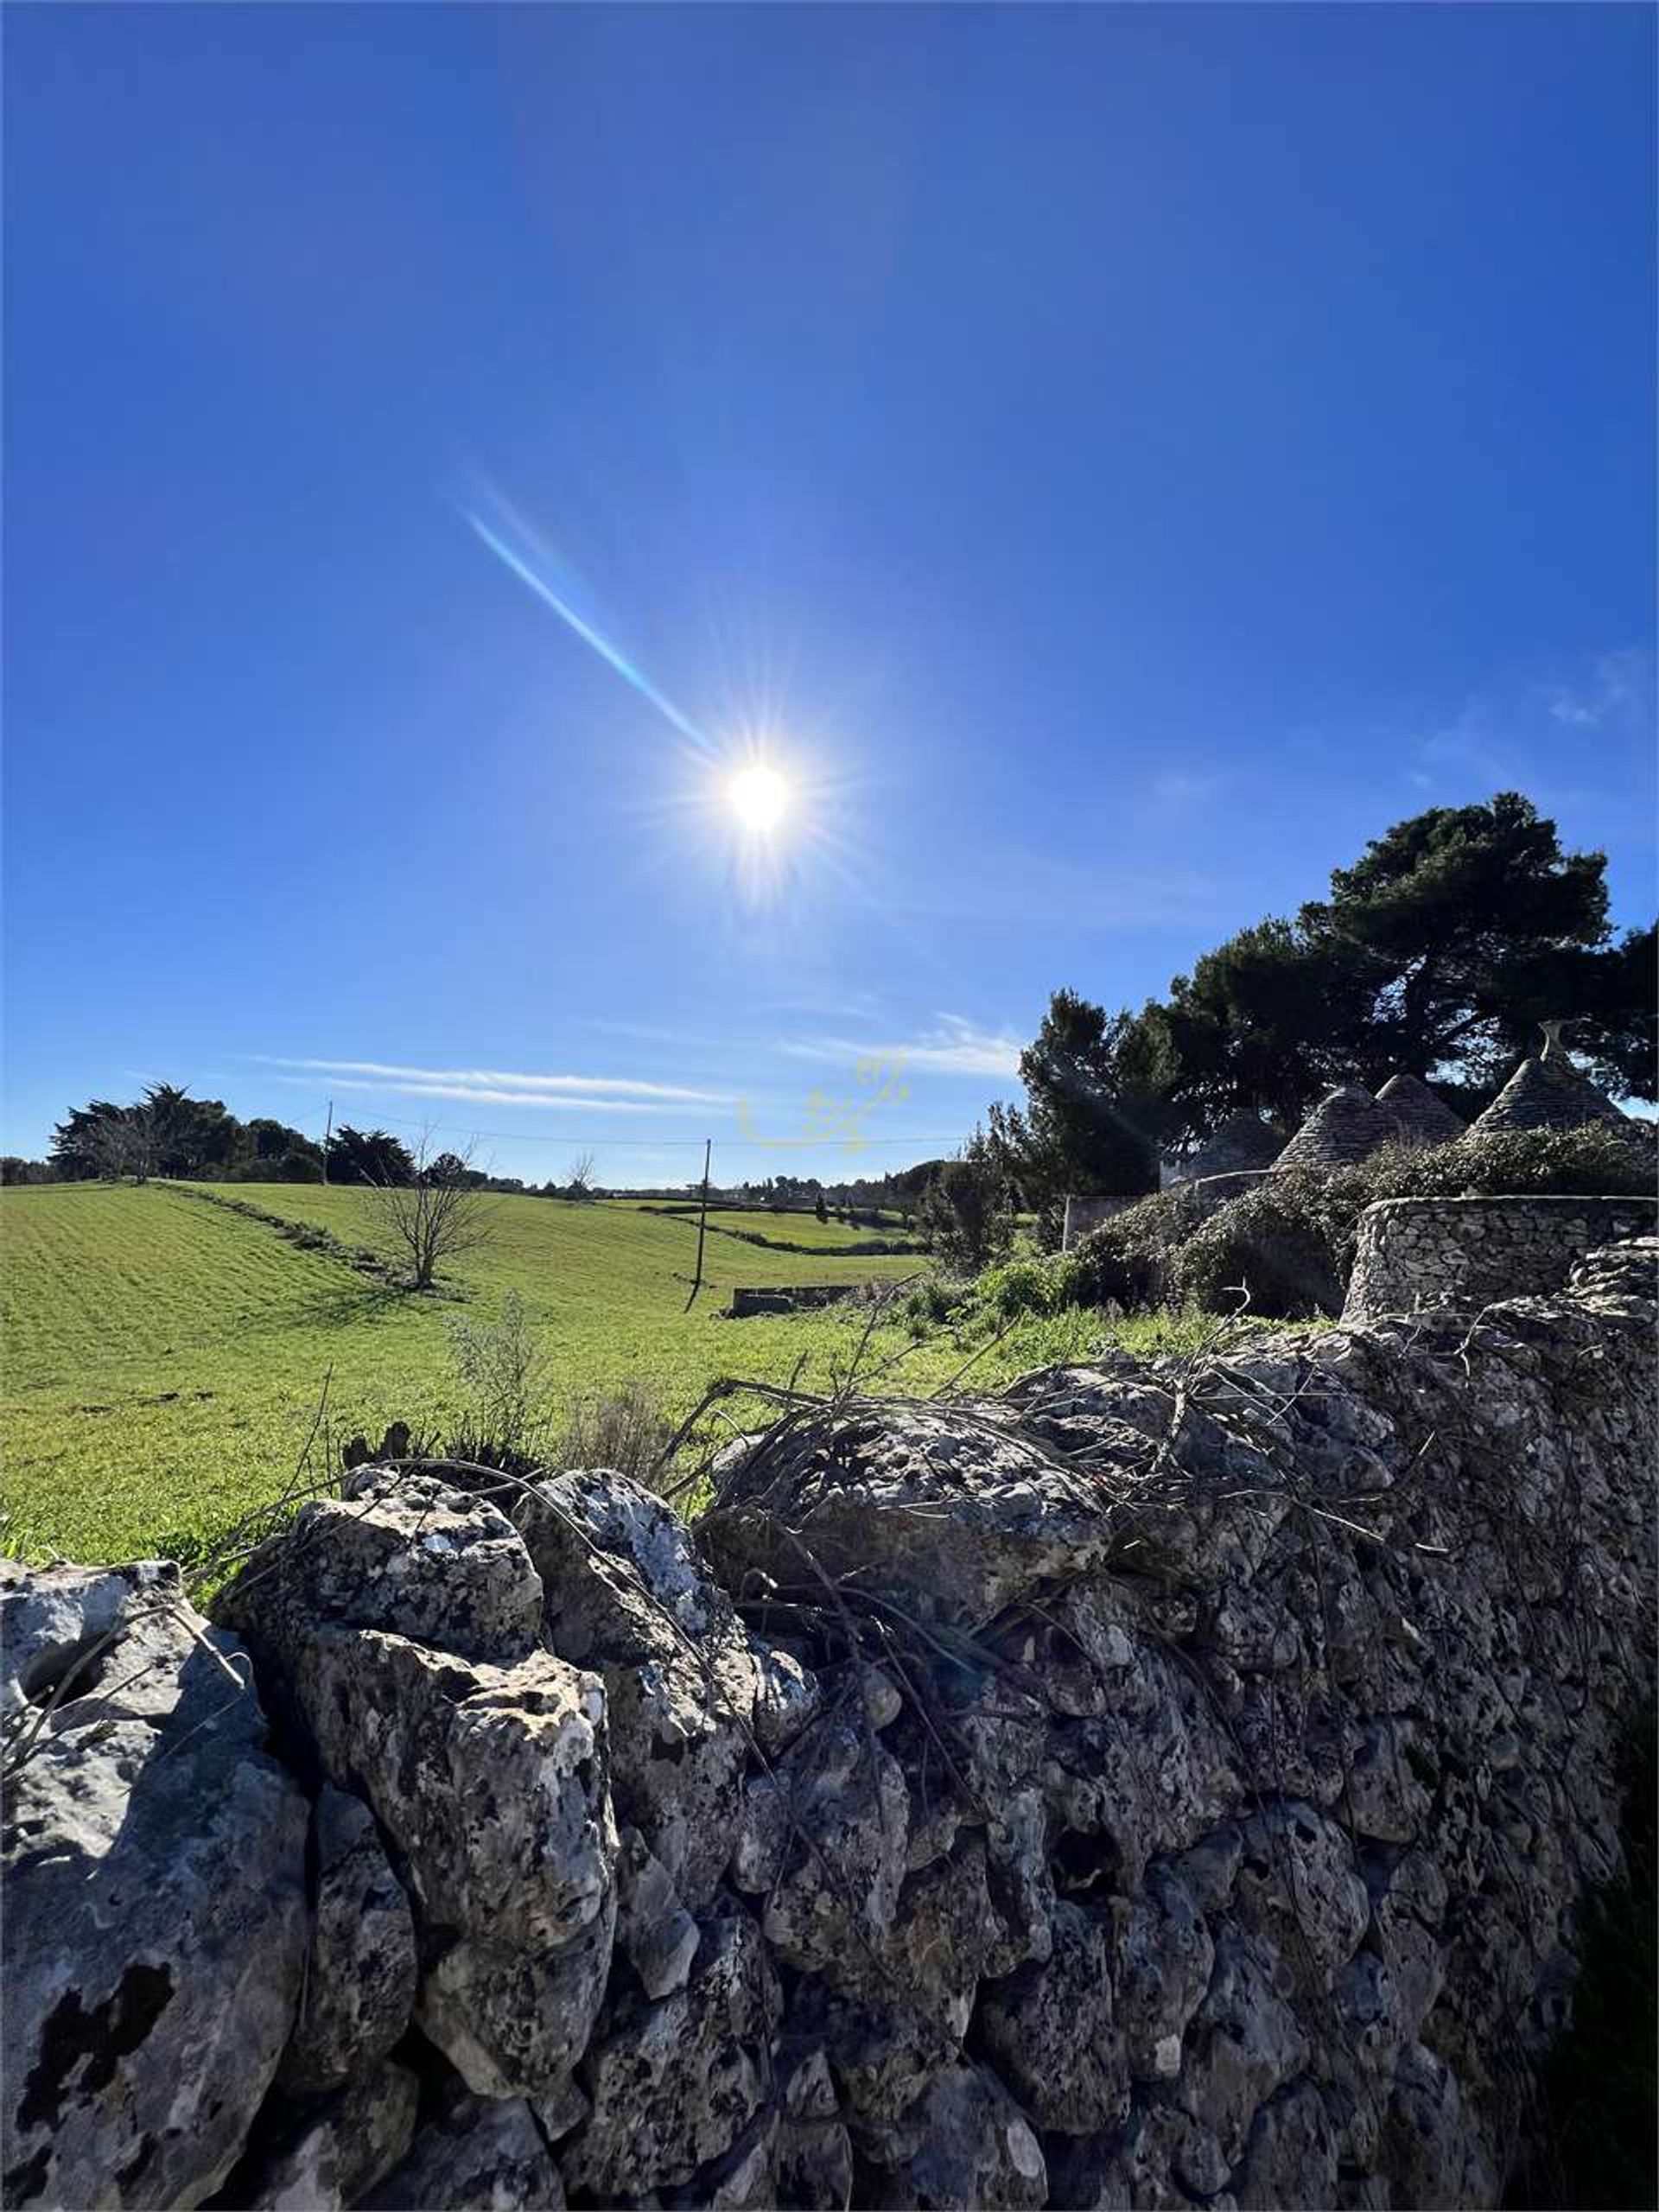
(513, 1079)
(955, 1047)
(482, 1095)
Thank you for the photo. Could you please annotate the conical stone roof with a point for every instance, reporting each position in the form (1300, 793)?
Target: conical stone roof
(1344, 1127)
(1242, 1141)
(1418, 1115)
(1547, 1093)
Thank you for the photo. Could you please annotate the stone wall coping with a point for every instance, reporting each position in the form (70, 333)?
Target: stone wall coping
(1543, 1199)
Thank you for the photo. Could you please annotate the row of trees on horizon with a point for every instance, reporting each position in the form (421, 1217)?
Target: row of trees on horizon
(167, 1133)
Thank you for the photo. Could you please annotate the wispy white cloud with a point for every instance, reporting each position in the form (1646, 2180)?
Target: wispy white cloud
(1614, 684)
(489, 1095)
(526, 1086)
(492, 1086)
(1594, 720)
(953, 1046)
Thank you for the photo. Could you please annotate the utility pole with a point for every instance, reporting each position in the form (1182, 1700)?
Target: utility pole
(703, 1221)
(326, 1134)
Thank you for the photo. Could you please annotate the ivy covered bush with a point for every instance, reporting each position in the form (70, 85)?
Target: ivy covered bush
(1281, 1249)
(1602, 1160)
(1128, 1260)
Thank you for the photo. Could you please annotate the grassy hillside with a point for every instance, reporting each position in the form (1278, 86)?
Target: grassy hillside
(165, 1356)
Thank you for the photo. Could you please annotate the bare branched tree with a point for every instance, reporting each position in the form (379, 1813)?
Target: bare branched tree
(435, 1216)
(580, 1184)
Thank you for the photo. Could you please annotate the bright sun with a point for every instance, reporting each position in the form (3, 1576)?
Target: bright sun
(759, 797)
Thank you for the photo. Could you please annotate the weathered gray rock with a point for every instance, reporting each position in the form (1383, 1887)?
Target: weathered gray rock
(52, 1621)
(673, 2084)
(627, 1596)
(1053, 2031)
(154, 1905)
(959, 1511)
(1244, 2043)
(830, 1905)
(654, 1928)
(490, 1781)
(812, 2153)
(361, 1970)
(513, 2021)
(787, 1697)
(477, 2155)
(333, 2156)
(977, 2148)
(405, 1552)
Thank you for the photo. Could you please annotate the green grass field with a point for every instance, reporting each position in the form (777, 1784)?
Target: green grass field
(782, 1230)
(165, 1358)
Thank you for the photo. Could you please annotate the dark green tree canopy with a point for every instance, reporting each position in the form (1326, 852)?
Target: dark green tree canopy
(1438, 953)
(369, 1156)
(1090, 1116)
(166, 1132)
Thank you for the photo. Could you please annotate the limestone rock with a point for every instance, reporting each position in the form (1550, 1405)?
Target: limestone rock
(154, 1905)
(360, 1971)
(977, 2148)
(1163, 1955)
(52, 1619)
(627, 1596)
(1298, 1887)
(923, 1499)
(831, 1907)
(513, 2021)
(1290, 2158)
(654, 1928)
(490, 1781)
(788, 1696)
(335, 2154)
(812, 2153)
(674, 2084)
(405, 1552)
(1052, 2029)
(477, 2155)
(1245, 2042)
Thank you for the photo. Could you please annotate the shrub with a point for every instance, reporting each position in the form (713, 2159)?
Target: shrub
(1019, 1287)
(1598, 1160)
(966, 1213)
(504, 1371)
(298, 1167)
(932, 1303)
(1287, 1241)
(1128, 1260)
(625, 1429)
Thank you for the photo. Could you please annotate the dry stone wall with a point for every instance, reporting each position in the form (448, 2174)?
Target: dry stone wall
(1458, 1255)
(1155, 1786)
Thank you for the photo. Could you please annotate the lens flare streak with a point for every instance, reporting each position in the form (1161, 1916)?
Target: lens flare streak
(608, 652)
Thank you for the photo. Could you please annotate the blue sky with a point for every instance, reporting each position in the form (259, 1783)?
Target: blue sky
(1115, 461)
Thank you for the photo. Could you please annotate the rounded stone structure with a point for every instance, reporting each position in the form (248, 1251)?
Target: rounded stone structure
(1418, 1255)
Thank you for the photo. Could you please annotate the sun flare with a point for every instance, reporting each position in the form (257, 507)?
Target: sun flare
(759, 797)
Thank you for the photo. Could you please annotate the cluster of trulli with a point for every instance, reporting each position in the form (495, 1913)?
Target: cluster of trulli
(1546, 1092)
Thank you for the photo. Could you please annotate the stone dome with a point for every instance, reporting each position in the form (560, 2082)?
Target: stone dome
(1346, 1126)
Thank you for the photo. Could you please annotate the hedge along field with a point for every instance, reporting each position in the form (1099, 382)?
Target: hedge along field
(165, 1356)
(761, 1227)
